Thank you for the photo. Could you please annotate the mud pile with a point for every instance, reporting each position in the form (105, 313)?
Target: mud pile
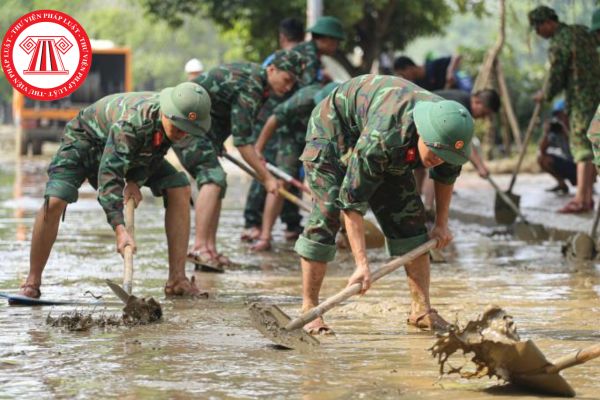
(137, 311)
(490, 339)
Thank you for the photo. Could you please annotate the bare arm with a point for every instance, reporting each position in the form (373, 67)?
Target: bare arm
(443, 195)
(265, 134)
(355, 231)
(249, 155)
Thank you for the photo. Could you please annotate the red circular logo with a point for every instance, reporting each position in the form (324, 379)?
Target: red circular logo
(46, 55)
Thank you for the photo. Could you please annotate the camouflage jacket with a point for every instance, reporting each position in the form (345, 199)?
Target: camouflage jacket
(377, 135)
(237, 92)
(312, 69)
(574, 66)
(127, 140)
(294, 113)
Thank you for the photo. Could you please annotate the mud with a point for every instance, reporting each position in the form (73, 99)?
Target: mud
(489, 338)
(210, 349)
(78, 321)
(139, 311)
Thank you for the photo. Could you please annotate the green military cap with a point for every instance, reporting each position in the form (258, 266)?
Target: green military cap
(541, 14)
(289, 61)
(446, 127)
(595, 20)
(328, 26)
(187, 105)
(324, 92)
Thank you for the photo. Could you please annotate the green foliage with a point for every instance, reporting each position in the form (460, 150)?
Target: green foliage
(372, 25)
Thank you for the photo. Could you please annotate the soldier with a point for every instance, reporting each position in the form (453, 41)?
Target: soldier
(593, 135)
(327, 33)
(362, 143)
(574, 68)
(237, 92)
(290, 120)
(118, 144)
(291, 33)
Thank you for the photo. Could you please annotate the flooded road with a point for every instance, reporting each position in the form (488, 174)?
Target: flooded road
(208, 349)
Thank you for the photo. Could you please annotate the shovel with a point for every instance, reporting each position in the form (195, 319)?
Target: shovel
(373, 236)
(127, 252)
(530, 369)
(277, 326)
(582, 246)
(503, 212)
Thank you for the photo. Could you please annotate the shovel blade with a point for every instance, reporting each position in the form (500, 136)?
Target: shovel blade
(502, 212)
(531, 232)
(270, 320)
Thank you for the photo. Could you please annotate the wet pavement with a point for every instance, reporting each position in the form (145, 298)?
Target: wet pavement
(208, 349)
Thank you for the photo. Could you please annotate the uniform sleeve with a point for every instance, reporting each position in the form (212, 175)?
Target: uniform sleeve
(293, 107)
(122, 144)
(445, 173)
(559, 56)
(364, 173)
(243, 113)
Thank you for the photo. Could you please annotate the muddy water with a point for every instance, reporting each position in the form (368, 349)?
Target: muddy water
(207, 348)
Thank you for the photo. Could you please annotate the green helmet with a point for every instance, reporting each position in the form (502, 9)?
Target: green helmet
(187, 105)
(328, 26)
(540, 14)
(595, 20)
(446, 127)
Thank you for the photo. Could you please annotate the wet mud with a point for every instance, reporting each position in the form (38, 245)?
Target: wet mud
(209, 348)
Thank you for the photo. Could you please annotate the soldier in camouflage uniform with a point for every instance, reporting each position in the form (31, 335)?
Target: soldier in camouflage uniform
(237, 92)
(593, 135)
(574, 68)
(327, 33)
(118, 144)
(289, 121)
(362, 143)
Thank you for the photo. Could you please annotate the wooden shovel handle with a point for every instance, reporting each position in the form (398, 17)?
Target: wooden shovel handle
(128, 251)
(581, 356)
(350, 291)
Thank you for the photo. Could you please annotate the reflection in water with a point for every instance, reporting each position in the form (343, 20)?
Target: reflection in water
(207, 348)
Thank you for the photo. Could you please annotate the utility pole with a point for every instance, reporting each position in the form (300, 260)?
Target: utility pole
(314, 9)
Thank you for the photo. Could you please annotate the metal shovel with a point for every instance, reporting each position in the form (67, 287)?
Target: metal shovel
(277, 326)
(582, 246)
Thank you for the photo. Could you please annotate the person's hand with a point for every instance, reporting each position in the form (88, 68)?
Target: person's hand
(442, 234)
(362, 275)
(482, 171)
(539, 96)
(124, 240)
(132, 190)
(272, 185)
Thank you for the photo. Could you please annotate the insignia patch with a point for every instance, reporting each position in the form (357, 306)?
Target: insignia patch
(157, 139)
(411, 155)
(459, 144)
(192, 116)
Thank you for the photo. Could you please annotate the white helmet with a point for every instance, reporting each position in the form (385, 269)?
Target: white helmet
(194, 65)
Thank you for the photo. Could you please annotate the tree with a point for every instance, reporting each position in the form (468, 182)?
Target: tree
(371, 25)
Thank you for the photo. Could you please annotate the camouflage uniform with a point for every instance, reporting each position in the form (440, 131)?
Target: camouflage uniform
(593, 135)
(237, 91)
(118, 138)
(361, 148)
(255, 200)
(575, 68)
(312, 69)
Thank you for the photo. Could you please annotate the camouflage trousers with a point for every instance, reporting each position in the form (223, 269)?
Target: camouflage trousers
(255, 201)
(396, 205)
(593, 134)
(78, 160)
(579, 121)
